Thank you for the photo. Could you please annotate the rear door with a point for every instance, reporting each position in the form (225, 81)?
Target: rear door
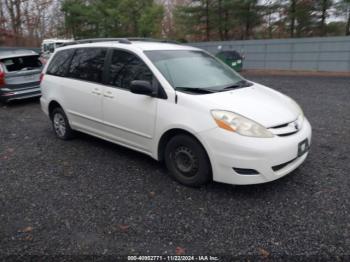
(82, 89)
(22, 72)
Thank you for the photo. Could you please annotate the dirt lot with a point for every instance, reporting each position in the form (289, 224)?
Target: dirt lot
(87, 196)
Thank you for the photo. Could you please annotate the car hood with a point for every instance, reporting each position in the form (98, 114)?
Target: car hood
(259, 103)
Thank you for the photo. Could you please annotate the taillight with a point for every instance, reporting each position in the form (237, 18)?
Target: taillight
(2, 76)
(41, 77)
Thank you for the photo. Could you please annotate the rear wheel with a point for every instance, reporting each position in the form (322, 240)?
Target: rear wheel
(187, 161)
(61, 125)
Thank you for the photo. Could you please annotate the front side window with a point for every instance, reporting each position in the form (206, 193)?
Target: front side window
(60, 63)
(195, 71)
(87, 64)
(126, 67)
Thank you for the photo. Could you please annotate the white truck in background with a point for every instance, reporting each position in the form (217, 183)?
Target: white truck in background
(48, 46)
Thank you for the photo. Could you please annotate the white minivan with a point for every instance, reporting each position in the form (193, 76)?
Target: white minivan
(177, 104)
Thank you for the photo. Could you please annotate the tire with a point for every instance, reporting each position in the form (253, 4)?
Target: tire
(187, 161)
(61, 125)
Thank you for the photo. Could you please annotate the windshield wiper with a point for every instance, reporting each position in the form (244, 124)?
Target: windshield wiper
(195, 90)
(239, 84)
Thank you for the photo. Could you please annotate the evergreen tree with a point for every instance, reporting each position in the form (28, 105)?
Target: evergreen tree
(110, 18)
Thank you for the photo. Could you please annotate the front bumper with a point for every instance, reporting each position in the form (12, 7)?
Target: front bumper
(7, 95)
(271, 158)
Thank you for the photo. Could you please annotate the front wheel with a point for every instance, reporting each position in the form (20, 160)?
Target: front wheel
(61, 125)
(187, 161)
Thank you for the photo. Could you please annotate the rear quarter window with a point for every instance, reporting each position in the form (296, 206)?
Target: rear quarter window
(59, 64)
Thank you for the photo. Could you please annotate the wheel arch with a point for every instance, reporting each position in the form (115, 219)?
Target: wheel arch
(166, 136)
(52, 105)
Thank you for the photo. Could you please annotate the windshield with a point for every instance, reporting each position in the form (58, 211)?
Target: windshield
(194, 70)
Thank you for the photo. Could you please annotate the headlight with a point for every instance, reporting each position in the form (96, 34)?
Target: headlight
(239, 124)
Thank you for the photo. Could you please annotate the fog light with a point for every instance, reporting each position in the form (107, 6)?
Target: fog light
(245, 171)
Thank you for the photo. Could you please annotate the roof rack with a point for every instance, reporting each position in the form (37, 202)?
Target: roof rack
(96, 40)
(147, 39)
(120, 40)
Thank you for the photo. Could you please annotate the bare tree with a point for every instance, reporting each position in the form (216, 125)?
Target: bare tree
(27, 21)
(14, 10)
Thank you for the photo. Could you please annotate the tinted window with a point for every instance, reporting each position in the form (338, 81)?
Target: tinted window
(87, 64)
(60, 63)
(126, 67)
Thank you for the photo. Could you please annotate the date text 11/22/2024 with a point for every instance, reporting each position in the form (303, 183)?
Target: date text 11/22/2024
(173, 258)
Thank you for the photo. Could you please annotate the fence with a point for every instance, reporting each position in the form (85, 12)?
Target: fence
(316, 54)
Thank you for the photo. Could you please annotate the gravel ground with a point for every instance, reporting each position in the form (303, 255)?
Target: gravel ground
(87, 196)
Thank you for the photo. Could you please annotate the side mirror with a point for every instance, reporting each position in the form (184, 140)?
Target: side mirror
(142, 88)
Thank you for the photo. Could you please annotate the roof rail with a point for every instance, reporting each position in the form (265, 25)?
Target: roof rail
(96, 40)
(120, 40)
(147, 39)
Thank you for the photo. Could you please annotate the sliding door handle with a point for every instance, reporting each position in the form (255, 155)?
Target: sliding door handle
(96, 91)
(108, 94)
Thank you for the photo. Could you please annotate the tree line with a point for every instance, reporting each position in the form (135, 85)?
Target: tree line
(111, 18)
(27, 22)
(206, 20)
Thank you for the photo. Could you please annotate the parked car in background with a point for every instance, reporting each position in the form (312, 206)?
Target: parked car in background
(19, 74)
(232, 58)
(178, 104)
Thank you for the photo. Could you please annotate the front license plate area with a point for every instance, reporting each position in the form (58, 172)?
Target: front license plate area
(303, 147)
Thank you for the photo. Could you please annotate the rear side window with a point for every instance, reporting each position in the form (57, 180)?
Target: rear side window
(21, 63)
(126, 67)
(87, 64)
(60, 63)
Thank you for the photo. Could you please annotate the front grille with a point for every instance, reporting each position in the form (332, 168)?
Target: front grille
(286, 129)
(280, 126)
(288, 134)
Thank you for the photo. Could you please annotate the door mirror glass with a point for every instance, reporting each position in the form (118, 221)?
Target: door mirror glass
(142, 88)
